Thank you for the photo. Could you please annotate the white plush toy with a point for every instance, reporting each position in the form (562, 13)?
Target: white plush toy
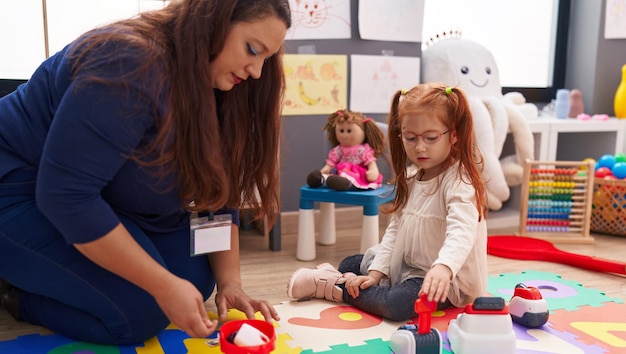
(470, 66)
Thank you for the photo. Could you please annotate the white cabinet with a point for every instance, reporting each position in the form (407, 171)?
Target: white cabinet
(561, 140)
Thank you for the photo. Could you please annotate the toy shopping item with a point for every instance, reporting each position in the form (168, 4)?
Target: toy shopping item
(562, 103)
(528, 248)
(484, 328)
(576, 103)
(527, 307)
(418, 337)
(247, 337)
(351, 164)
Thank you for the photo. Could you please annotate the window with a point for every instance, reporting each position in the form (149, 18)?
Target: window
(528, 38)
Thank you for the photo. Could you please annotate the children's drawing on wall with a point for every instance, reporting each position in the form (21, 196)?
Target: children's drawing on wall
(398, 20)
(374, 79)
(319, 19)
(316, 84)
(615, 19)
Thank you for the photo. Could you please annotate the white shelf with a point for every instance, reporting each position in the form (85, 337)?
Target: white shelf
(582, 139)
(561, 140)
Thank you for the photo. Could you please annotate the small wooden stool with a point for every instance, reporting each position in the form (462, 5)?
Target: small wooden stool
(369, 199)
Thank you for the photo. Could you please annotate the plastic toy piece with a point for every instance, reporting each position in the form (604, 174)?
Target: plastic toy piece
(529, 248)
(424, 310)
(601, 117)
(247, 337)
(527, 307)
(583, 116)
(484, 328)
(418, 337)
(483, 304)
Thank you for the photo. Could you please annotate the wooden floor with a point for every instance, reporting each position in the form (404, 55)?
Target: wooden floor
(265, 273)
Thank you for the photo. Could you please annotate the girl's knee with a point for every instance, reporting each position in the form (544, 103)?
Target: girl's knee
(399, 314)
(351, 264)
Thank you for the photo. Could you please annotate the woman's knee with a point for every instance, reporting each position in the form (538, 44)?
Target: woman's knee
(140, 326)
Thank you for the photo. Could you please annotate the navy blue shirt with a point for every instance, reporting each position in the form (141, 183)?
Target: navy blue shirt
(78, 136)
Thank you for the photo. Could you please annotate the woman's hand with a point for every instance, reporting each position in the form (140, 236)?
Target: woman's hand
(437, 283)
(231, 295)
(179, 299)
(183, 305)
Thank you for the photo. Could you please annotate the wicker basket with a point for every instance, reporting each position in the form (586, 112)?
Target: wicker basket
(608, 213)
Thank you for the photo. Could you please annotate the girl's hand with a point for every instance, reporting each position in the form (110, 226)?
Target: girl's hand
(355, 284)
(183, 305)
(437, 283)
(232, 296)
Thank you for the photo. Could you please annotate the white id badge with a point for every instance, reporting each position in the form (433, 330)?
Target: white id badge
(210, 235)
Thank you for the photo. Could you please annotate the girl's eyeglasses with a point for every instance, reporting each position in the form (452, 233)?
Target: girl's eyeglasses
(429, 137)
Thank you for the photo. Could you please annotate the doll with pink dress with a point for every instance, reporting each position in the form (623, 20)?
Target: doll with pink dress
(351, 164)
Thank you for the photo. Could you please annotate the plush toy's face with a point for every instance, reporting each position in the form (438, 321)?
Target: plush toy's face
(349, 134)
(462, 63)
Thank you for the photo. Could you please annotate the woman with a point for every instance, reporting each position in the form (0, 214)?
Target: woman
(113, 143)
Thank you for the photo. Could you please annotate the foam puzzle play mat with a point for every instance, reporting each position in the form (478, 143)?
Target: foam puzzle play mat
(580, 320)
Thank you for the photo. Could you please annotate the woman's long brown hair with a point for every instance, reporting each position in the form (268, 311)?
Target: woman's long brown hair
(457, 116)
(219, 159)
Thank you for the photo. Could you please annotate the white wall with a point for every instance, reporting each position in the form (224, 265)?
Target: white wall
(23, 35)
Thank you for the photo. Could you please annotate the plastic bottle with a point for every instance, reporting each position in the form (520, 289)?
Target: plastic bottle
(561, 104)
(576, 104)
(620, 96)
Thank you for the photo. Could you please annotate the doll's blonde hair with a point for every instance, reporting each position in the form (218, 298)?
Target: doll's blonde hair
(373, 134)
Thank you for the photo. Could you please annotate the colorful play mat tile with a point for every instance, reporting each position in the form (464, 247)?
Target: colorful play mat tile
(582, 320)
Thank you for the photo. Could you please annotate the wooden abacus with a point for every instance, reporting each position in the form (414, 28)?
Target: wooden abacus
(557, 200)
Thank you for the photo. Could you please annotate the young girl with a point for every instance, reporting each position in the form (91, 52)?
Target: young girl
(436, 242)
(357, 143)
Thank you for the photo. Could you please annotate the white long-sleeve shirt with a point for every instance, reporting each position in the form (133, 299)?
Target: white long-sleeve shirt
(438, 225)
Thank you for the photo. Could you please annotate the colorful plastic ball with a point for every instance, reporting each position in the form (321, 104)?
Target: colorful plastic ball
(606, 160)
(619, 170)
(620, 157)
(587, 160)
(602, 172)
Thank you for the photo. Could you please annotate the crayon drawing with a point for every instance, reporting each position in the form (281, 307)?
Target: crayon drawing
(319, 19)
(615, 19)
(398, 20)
(316, 84)
(374, 80)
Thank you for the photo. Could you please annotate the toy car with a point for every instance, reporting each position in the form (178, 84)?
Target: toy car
(527, 307)
(484, 328)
